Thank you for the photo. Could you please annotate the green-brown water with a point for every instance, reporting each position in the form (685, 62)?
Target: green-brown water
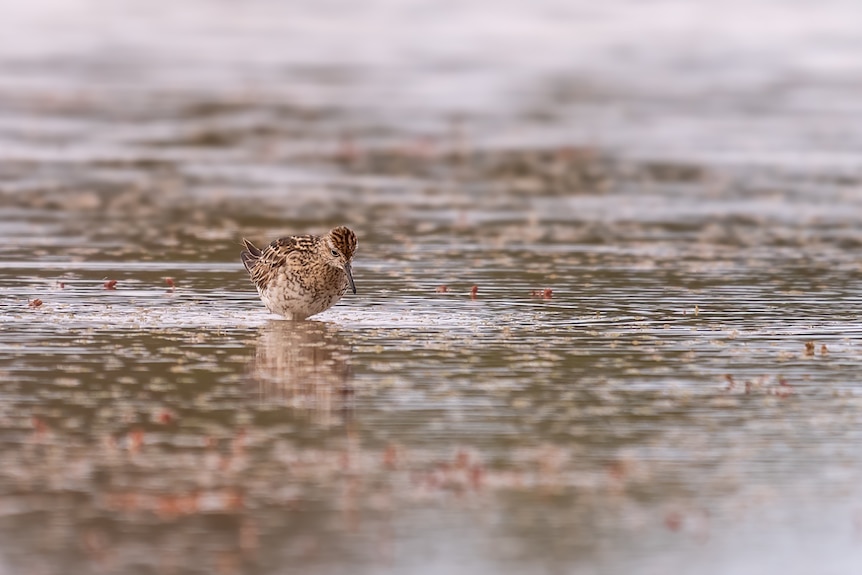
(686, 400)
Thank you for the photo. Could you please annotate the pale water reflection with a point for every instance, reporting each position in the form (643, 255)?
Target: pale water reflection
(304, 365)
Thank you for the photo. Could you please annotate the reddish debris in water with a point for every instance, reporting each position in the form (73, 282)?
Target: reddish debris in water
(110, 284)
(238, 443)
(35, 303)
(783, 389)
(175, 505)
(170, 282)
(390, 456)
(673, 521)
(462, 459)
(618, 470)
(61, 285)
(474, 291)
(546, 293)
(477, 473)
(442, 289)
(136, 440)
(730, 382)
(232, 499)
(39, 424)
(166, 417)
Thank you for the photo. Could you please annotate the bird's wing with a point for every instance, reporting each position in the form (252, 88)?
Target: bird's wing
(274, 256)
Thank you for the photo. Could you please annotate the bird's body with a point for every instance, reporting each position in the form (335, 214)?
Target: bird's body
(300, 276)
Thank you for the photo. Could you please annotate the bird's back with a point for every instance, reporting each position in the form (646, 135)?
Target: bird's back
(263, 265)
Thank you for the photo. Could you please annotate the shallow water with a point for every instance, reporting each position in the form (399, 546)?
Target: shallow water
(685, 399)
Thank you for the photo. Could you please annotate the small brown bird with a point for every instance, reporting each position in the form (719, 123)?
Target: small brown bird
(299, 276)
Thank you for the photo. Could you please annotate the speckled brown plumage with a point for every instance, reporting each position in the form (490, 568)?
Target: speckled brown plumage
(299, 276)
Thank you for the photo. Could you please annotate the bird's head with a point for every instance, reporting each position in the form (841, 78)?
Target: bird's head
(339, 245)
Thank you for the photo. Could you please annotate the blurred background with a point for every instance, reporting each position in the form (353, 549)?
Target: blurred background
(658, 203)
(768, 81)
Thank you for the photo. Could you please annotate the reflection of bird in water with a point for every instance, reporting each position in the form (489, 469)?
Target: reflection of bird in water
(302, 364)
(299, 276)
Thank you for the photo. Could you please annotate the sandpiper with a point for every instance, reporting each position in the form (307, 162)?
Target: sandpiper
(299, 276)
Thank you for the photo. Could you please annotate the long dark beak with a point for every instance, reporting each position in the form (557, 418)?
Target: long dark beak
(349, 271)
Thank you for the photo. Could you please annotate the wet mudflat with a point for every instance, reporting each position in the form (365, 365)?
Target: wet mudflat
(658, 371)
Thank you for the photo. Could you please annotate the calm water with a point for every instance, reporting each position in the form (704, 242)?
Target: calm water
(684, 180)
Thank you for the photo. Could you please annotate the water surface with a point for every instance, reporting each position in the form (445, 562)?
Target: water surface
(682, 398)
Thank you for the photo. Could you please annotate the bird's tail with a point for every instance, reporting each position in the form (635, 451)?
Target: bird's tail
(249, 255)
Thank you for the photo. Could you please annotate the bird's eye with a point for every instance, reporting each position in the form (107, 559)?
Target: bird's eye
(334, 252)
